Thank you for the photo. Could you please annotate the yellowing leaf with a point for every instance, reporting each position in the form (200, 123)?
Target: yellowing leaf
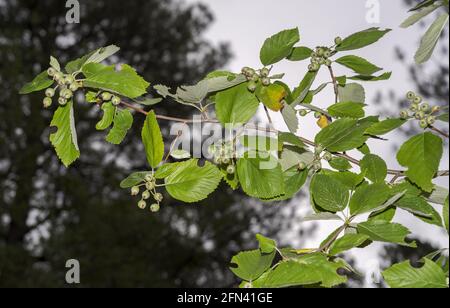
(323, 122)
(271, 96)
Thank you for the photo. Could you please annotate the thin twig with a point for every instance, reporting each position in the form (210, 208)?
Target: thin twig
(440, 132)
(335, 84)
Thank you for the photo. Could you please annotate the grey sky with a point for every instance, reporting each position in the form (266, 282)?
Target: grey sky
(247, 23)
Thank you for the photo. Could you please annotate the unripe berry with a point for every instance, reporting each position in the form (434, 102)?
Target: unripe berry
(327, 156)
(74, 87)
(50, 92)
(145, 195)
(338, 40)
(62, 101)
(244, 70)
(423, 123)
(251, 72)
(51, 72)
(149, 177)
(302, 166)
(414, 107)
(134, 190)
(66, 93)
(417, 100)
(404, 114)
(424, 107)
(328, 62)
(158, 197)
(58, 76)
(218, 160)
(303, 112)
(431, 120)
(320, 51)
(435, 109)
(265, 81)
(142, 204)
(251, 86)
(115, 100)
(410, 95)
(106, 96)
(225, 161)
(317, 166)
(265, 72)
(419, 115)
(317, 114)
(231, 169)
(69, 79)
(47, 102)
(255, 78)
(150, 185)
(154, 208)
(327, 54)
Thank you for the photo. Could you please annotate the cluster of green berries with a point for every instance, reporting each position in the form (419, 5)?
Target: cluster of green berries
(67, 85)
(305, 112)
(108, 97)
(316, 164)
(227, 163)
(320, 57)
(224, 156)
(255, 76)
(419, 110)
(150, 191)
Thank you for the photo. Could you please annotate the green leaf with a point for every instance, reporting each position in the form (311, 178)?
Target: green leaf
(39, 83)
(414, 18)
(342, 135)
(65, 138)
(180, 154)
(291, 156)
(438, 195)
(191, 183)
(421, 155)
(236, 105)
(54, 63)
(384, 76)
(290, 138)
(384, 127)
(358, 65)
(420, 208)
(271, 96)
(306, 270)
(123, 120)
(260, 143)
(96, 56)
(109, 111)
(320, 217)
(278, 46)
(445, 213)
(149, 101)
(300, 53)
(403, 275)
(347, 242)
(293, 182)
(328, 193)
(290, 118)
(422, 4)
(383, 231)
(374, 167)
(266, 245)
(347, 110)
(430, 39)
(251, 264)
(134, 179)
(361, 39)
(368, 198)
(443, 117)
(152, 140)
(340, 164)
(125, 82)
(260, 177)
(352, 92)
(299, 94)
(347, 178)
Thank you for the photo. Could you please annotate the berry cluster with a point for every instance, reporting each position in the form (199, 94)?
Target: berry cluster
(224, 157)
(150, 191)
(316, 164)
(255, 76)
(420, 110)
(67, 85)
(320, 57)
(108, 97)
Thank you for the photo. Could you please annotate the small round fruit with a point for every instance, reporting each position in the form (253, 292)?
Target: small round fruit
(115, 100)
(322, 61)
(251, 72)
(142, 204)
(106, 96)
(302, 166)
(317, 166)
(410, 95)
(419, 115)
(58, 76)
(424, 107)
(255, 78)
(423, 123)
(327, 156)
(265, 81)
(317, 114)
(435, 109)
(47, 102)
(134, 190)
(69, 79)
(50, 92)
(244, 70)
(327, 54)
(218, 160)
(431, 120)
(328, 62)
(149, 177)
(320, 51)
(414, 107)
(231, 169)
(66, 93)
(225, 161)
(62, 101)
(303, 112)
(404, 114)
(338, 40)
(154, 208)
(145, 195)
(150, 185)
(265, 72)
(51, 72)
(252, 86)
(417, 100)
(158, 197)
(74, 87)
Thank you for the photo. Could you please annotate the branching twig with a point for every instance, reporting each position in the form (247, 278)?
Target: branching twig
(440, 132)
(335, 84)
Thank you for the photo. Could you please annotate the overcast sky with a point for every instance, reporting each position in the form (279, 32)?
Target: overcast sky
(247, 23)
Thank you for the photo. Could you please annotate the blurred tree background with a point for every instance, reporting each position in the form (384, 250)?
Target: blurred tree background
(49, 214)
